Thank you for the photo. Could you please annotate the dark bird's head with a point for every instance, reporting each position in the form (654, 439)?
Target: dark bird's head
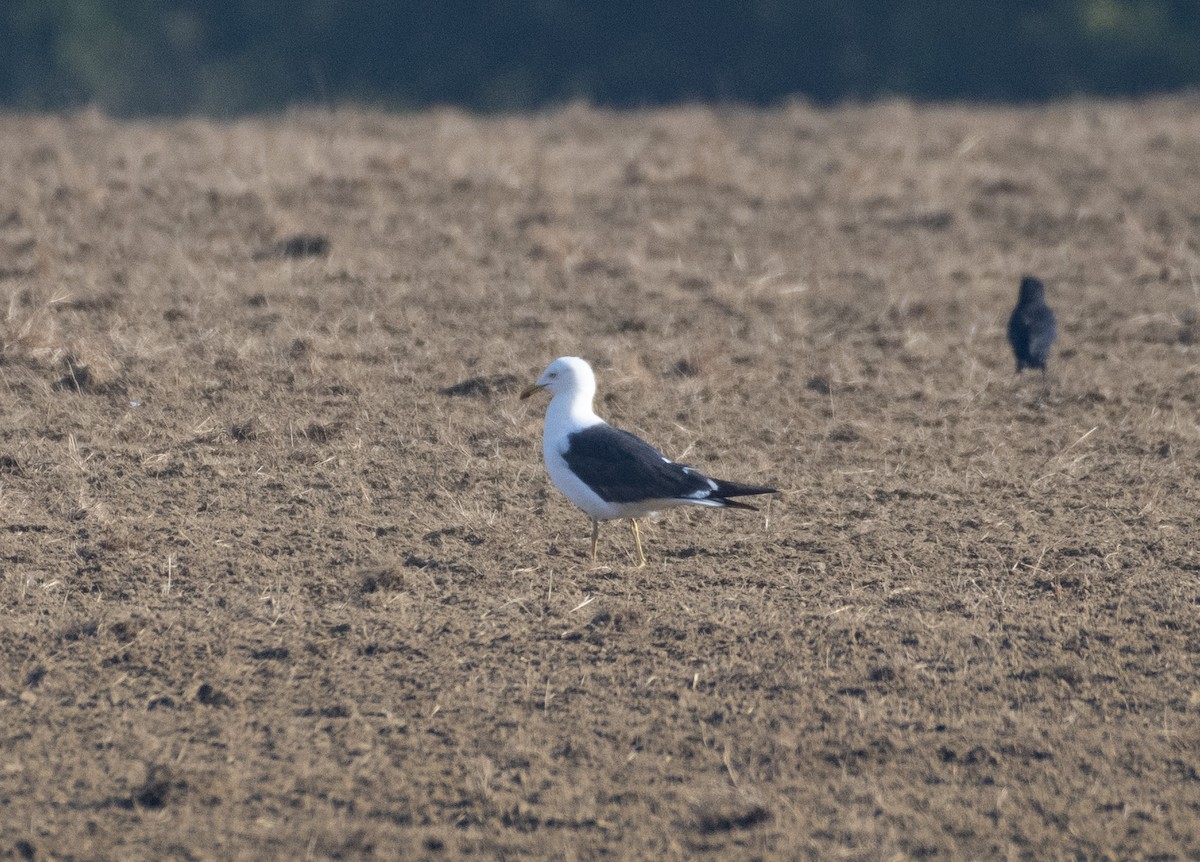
(1032, 290)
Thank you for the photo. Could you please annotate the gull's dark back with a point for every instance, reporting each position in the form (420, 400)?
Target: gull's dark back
(1032, 327)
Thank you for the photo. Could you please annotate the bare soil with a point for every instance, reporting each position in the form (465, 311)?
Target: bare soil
(283, 576)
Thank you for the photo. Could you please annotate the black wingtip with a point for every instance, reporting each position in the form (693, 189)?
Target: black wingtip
(733, 489)
(726, 490)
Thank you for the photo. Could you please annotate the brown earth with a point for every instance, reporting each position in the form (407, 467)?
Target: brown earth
(283, 576)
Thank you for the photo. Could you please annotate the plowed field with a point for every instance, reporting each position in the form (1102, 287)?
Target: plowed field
(282, 575)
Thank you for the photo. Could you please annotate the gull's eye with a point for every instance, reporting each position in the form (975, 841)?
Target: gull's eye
(552, 374)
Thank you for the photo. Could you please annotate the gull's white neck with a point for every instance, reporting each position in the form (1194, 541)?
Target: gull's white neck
(571, 411)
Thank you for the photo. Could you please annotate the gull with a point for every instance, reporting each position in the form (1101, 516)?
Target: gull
(610, 473)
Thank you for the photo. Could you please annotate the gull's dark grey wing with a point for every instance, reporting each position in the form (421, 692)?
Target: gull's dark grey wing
(623, 468)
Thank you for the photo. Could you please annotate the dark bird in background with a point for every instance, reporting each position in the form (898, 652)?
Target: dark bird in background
(1032, 327)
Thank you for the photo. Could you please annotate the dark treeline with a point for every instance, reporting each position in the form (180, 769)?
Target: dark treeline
(230, 56)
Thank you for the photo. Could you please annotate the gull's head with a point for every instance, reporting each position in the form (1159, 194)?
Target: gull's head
(567, 374)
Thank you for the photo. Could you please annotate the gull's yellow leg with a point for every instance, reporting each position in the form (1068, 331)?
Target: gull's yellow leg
(637, 539)
(595, 538)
